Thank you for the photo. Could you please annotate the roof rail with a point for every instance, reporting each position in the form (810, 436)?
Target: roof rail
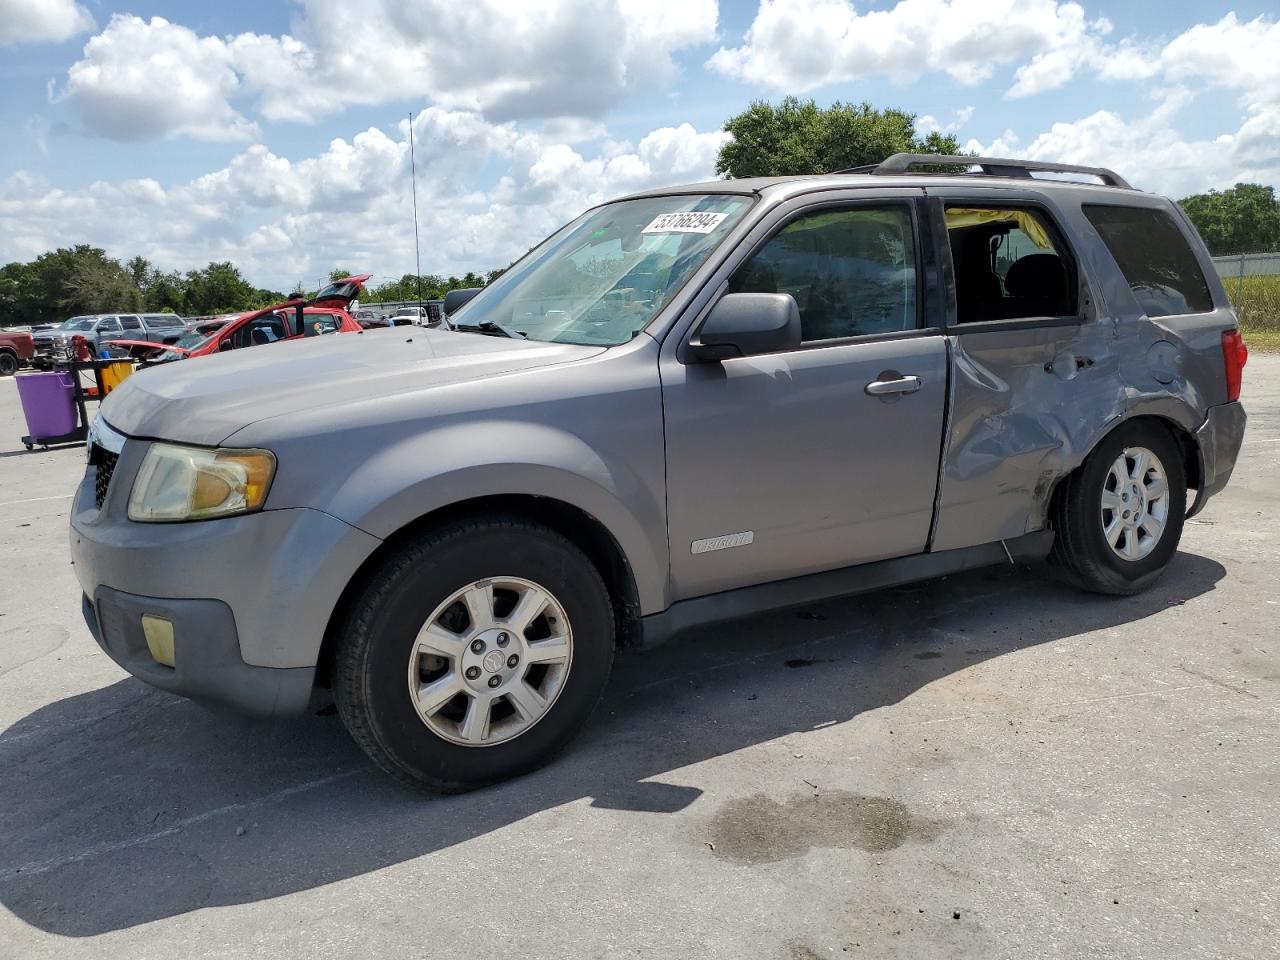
(901, 163)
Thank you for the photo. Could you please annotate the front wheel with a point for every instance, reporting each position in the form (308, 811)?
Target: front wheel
(474, 654)
(1118, 518)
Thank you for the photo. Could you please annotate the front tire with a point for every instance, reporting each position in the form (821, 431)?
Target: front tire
(474, 654)
(1118, 518)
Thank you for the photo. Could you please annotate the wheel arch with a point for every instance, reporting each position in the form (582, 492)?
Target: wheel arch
(575, 524)
(1182, 434)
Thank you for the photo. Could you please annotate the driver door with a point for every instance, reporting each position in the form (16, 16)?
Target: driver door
(798, 462)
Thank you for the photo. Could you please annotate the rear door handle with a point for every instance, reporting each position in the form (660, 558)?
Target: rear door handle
(880, 388)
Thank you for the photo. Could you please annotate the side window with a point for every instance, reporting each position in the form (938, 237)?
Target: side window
(261, 331)
(109, 325)
(131, 323)
(317, 324)
(852, 271)
(1154, 257)
(1007, 266)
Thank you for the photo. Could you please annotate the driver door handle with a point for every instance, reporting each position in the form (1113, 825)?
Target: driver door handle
(880, 388)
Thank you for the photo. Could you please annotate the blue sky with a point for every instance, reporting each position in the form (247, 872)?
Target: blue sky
(272, 133)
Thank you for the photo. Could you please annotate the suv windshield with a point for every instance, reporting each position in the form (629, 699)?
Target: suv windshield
(79, 323)
(602, 278)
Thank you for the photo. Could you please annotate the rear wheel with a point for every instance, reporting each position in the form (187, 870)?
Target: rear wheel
(474, 654)
(1118, 518)
(8, 364)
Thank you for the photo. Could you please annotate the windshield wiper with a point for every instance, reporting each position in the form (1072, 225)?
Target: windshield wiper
(491, 327)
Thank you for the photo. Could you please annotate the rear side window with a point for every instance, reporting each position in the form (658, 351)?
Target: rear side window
(1007, 266)
(1154, 257)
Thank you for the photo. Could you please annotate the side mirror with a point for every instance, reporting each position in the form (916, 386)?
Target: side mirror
(455, 299)
(746, 324)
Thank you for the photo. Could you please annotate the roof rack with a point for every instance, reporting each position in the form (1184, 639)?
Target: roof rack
(901, 163)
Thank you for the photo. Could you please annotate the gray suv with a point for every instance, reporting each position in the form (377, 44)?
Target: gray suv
(687, 405)
(101, 329)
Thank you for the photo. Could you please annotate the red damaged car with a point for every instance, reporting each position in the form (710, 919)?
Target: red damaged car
(326, 312)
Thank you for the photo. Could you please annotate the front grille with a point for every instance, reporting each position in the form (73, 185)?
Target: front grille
(103, 462)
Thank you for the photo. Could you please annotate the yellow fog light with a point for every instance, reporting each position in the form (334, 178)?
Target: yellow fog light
(159, 634)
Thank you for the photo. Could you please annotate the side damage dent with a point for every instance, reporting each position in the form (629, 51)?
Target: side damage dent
(1016, 431)
(1030, 415)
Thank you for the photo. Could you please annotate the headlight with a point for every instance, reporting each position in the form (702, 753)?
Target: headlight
(195, 483)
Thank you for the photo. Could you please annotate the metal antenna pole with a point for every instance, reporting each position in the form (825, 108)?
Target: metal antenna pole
(417, 247)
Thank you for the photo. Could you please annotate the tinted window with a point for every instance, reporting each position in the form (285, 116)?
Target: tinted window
(109, 325)
(852, 272)
(1154, 257)
(1007, 266)
(131, 323)
(163, 320)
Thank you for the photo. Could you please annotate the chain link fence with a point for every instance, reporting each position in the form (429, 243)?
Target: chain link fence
(1253, 284)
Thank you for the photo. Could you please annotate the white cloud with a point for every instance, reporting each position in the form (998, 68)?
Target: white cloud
(1151, 153)
(795, 46)
(538, 58)
(287, 220)
(41, 21)
(141, 79)
(929, 124)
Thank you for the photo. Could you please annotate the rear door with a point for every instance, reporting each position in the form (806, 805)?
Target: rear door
(825, 456)
(1033, 366)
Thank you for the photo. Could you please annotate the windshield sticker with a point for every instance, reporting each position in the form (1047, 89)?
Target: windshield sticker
(694, 221)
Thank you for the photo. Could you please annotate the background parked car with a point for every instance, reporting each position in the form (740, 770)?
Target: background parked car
(101, 329)
(16, 348)
(323, 314)
(407, 315)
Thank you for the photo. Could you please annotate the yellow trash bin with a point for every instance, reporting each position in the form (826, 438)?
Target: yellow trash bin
(113, 374)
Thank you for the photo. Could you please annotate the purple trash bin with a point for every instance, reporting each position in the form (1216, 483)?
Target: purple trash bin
(48, 403)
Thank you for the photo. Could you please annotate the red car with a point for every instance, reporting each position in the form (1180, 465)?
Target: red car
(325, 313)
(16, 348)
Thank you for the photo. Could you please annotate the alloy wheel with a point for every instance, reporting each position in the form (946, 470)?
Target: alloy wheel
(1135, 503)
(490, 661)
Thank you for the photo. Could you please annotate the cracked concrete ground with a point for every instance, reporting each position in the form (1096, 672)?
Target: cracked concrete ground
(986, 766)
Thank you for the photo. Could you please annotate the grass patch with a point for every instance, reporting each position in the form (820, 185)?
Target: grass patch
(1257, 303)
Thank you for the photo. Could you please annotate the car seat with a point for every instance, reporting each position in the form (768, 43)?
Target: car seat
(1037, 287)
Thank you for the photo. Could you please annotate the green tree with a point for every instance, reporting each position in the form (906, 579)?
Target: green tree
(218, 288)
(98, 284)
(1244, 219)
(799, 137)
(339, 274)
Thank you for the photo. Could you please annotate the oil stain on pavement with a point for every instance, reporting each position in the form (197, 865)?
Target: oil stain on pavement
(758, 829)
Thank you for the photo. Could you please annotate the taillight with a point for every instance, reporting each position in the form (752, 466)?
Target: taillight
(1234, 356)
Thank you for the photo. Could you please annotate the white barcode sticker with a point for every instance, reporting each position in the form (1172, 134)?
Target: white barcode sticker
(692, 221)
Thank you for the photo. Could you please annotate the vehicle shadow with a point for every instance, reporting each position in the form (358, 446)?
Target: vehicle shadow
(127, 805)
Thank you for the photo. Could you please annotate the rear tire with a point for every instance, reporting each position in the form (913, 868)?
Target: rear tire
(1118, 518)
(8, 364)
(418, 654)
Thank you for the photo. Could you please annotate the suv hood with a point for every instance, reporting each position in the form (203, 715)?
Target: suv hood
(206, 399)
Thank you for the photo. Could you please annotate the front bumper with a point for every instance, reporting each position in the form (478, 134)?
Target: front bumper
(250, 597)
(207, 666)
(1218, 439)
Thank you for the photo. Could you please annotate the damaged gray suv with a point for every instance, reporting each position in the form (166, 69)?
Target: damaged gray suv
(691, 404)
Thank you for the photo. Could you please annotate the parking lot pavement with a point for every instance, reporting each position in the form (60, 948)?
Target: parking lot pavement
(987, 766)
